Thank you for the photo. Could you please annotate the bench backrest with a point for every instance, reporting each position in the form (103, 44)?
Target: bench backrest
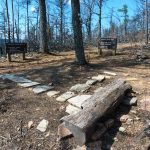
(110, 43)
(12, 48)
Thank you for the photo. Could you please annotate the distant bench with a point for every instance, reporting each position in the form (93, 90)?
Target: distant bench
(1, 51)
(16, 48)
(109, 43)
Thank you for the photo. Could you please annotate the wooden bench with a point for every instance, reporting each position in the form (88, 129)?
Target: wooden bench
(15, 48)
(109, 43)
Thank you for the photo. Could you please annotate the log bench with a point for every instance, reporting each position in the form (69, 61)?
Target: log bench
(100, 105)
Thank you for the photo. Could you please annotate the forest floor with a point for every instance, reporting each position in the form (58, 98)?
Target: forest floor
(18, 105)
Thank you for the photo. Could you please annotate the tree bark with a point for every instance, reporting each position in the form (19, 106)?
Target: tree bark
(13, 21)
(146, 23)
(78, 39)
(8, 21)
(100, 27)
(43, 27)
(99, 106)
(18, 22)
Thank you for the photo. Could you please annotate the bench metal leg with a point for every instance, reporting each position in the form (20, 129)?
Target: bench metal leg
(23, 55)
(9, 57)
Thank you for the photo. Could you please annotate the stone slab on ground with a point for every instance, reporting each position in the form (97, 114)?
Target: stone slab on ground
(110, 73)
(98, 90)
(52, 93)
(42, 125)
(79, 88)
(91, 82)
(108, 77)
(29, 84)
(72, 109)
(78, 100)
(15, 78)
(41, 88)
(63, 132)
(64, 97)
(99, 78)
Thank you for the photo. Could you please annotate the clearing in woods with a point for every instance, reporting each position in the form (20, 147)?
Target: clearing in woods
(18, 105)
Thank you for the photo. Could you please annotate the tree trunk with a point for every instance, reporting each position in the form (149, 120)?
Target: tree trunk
(8, 21)
(28, 36)
(18, 32)
(43, 27)
(100, 27)
(146, 23)
(13, 21)
(96, 108)
(61, 22)
(78, 39)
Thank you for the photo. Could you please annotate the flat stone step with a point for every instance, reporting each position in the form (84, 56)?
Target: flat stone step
(110, 73)
(99, 78)
(70, 109)
(15, 78)
(30, 84)
(79, 88)
(64, 97)
(91, 82)
(41, 88)
(78, 100)
(52, 93)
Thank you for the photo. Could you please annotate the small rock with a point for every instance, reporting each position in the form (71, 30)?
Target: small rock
(130, 102)
(64, 97)
(107, 77)
(91, 82)
(47, 134)
(42, 125)
(131, 79)
(63, 132)
(30, 124)
(122, 129)
(116, 139)
(137, 118)
(52, 93)
(133, 111)
(99, 78)
(79, 88)
(51, 84)
(110, 73)
(124, 118)
(109, 123)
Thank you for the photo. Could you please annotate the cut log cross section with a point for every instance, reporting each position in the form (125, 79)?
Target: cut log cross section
(82, 124)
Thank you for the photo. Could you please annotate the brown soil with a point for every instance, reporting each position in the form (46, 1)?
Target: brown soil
(18, 105)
